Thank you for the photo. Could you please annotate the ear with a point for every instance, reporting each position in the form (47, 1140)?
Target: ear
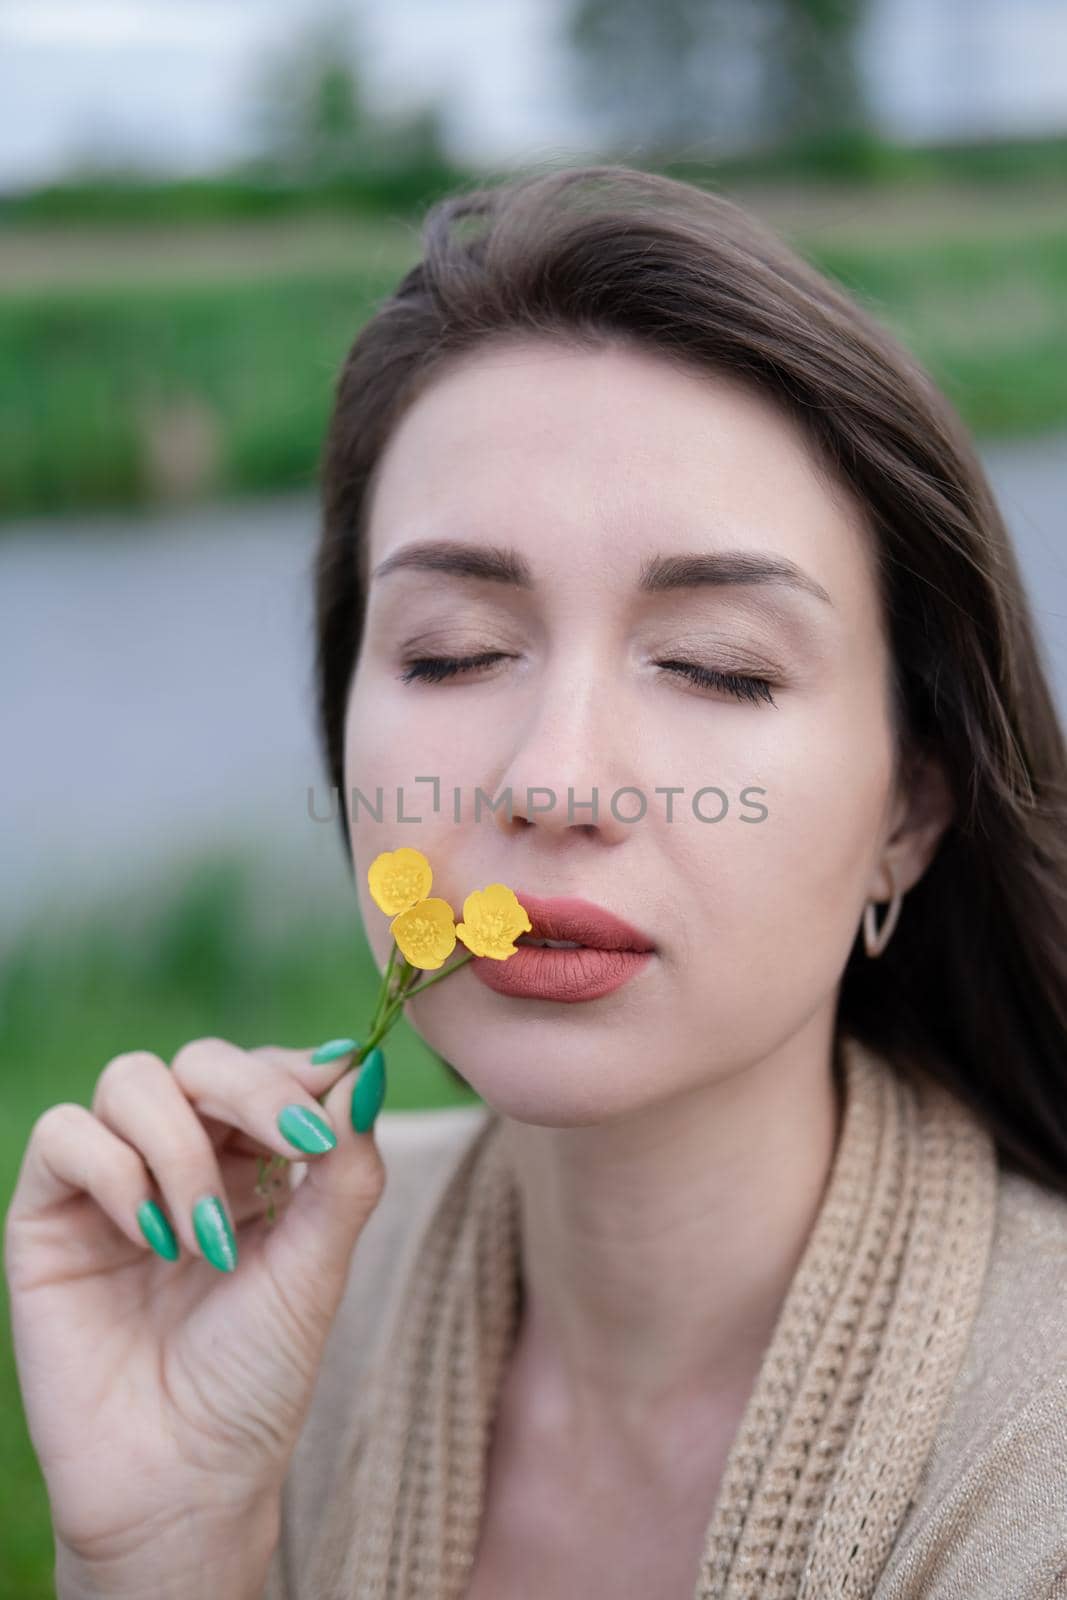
(923, 809)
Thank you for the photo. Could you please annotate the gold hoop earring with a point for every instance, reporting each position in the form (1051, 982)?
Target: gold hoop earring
(875, 940)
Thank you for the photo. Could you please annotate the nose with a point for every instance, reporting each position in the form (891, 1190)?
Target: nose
(570, 772)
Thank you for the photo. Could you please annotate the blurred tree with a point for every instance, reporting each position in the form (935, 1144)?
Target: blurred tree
(644, 69)
(678, 76)
(311, 120)
(812, 82)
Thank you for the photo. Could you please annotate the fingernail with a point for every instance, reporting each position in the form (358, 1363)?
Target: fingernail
(307, 1131)
(214, 1234)
(369, 1091)
(157, 1230)
(332, 1049)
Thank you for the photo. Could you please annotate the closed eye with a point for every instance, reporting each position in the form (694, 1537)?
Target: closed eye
(433, 669)
(742, 685)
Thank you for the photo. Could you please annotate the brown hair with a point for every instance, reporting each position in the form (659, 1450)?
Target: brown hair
(972, 987)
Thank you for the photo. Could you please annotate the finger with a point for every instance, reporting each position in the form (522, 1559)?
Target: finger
(70, 1152)
(270, 1105)
(144, 1104)
(310, 1252)
(251, 1192)
(316, 1077)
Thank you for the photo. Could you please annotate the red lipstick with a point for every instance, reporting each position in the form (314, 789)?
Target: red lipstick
(567, 917)
(612, 951)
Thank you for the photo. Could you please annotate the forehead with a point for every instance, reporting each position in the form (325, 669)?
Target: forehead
(605, 454)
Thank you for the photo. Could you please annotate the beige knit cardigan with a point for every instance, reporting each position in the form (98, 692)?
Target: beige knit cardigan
(906, 1434)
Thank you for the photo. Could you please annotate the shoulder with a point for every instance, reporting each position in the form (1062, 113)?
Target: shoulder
(991, 1503)
(1019, 1340)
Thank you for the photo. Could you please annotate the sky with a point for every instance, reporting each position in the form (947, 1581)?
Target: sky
(174, 80)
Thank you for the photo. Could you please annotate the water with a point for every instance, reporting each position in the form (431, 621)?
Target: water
(159, 693)
(158, 698)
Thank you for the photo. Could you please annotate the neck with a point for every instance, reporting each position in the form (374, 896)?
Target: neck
(657, 1250)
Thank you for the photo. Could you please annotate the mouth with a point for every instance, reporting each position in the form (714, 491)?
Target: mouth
(575, 951)
(570, 923)
(549, 944)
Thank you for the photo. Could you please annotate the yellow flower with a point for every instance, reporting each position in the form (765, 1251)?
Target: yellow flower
(493, 919)
(425, 933)
(398, 878)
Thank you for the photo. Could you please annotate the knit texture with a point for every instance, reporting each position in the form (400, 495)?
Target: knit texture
(826, 1459)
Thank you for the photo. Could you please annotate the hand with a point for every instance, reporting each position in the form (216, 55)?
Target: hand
(165, 1397)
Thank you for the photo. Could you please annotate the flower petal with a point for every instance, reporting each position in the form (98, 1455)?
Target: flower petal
(399, 878)
(425, 933)
(493, 919)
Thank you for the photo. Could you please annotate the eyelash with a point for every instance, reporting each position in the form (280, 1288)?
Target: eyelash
(433, 669)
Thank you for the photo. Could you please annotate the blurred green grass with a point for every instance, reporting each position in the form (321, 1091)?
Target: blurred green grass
(100, 379)
(92, 370)
(207, 951)
(403, 182)
(988, 317)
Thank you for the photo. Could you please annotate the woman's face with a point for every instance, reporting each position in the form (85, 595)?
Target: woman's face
(590, 467)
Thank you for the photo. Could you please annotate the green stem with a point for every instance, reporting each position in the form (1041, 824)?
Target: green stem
(383, 992)
(400, 999)
(386, 1021)
(429, 985)
(389, 1006)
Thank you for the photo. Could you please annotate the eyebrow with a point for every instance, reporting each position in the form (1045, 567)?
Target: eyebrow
(659, 573)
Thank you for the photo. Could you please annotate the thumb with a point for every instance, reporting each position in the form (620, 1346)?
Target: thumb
(309, 1248)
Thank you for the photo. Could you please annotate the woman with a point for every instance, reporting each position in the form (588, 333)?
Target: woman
(747, 1277)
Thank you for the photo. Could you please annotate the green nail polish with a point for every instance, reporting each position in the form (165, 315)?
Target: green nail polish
(332, 1049)
(369, 1091)
(157, 1230)
(214, 1234)
(306, 1130)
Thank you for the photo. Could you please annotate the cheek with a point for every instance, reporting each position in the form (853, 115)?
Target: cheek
(396, 734)
(391, 741)
(776, 903)
(418, 748)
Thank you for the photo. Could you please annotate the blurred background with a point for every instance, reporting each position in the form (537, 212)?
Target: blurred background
(200, 202)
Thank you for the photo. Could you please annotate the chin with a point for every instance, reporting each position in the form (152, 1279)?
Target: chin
(544, 1065)
(541, 1095)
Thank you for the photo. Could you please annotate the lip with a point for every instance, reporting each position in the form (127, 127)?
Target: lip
(614, 952)
(566, 975)
(569, 917)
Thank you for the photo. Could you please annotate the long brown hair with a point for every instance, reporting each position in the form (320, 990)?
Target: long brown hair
(972, 987)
